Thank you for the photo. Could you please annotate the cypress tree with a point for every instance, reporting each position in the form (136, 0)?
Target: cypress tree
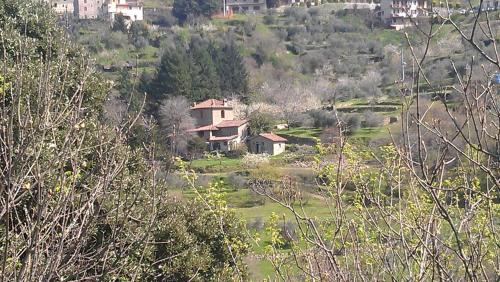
(232, 72)
(205, 79)
(185, 9)
(173, 76)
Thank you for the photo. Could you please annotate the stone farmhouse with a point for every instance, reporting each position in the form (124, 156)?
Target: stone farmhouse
(216, 124)
(267, 143)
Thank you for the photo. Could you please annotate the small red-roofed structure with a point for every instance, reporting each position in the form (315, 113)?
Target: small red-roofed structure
(267, 143)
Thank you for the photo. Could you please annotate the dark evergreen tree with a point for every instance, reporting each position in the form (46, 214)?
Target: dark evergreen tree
(273, 3)
(232, 72)
(205, 79)
(173, 76)
(186, 9)
(209, 7)
(120, 24)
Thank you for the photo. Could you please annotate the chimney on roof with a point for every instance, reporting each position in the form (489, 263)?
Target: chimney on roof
(224, 102)
(194, 104)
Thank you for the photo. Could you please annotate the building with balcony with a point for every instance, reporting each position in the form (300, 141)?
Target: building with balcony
(245, 6)
(216, 124)
(63, 7)
(131, 10)
(399, 14)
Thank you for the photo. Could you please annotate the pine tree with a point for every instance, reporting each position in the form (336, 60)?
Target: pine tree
(185, 9)
(205, 79)
(120, 24)
(232, 72)
(173, 77)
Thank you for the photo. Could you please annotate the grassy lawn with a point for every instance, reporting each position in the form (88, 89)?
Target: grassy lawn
(314, 207)
(222, 164)
(158, 3)
(370, 132)
(388, 36)
(301, 132)
(235, 20)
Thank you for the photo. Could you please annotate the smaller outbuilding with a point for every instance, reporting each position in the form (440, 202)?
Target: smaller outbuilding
(268, 143)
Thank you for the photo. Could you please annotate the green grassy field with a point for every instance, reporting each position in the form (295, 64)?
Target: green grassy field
(301, 132)
(158, 3)
(223, 164)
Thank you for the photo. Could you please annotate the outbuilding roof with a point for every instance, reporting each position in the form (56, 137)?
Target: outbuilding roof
(210, 103)
(273, 137)
(204, 128)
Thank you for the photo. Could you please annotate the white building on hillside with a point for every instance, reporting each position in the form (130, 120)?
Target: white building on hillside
(131, 10)
(62, 7)
(400, 13)
(245, 6)
(88, 9)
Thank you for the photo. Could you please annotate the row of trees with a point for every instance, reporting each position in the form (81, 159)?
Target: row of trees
(202, 70)
(188, 10)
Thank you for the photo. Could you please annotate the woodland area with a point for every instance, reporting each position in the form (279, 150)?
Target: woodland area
(392, 170)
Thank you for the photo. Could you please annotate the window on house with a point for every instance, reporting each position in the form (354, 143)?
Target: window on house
(256, 8)
(222, 114)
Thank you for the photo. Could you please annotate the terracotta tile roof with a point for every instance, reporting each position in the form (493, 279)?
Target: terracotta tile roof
(273, 137)
(210, 103)
(223, 138)
(232, 123)
(204, 128)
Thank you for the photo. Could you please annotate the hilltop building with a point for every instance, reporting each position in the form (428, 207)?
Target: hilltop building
(216, 124)
(399, 14)
(131, 10)
(62, 7)
(88, 9)
(245, 6)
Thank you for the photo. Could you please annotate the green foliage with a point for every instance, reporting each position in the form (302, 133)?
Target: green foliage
(185, 10)
(201, 72)
(4, 86)
(29, 20)
(204, 74)
(196, 146)
(189, 243)
(78, 197)
(232, 72)
(273, 3)
(173, 76)
(120, 23)
(260, 122)
(139, 29)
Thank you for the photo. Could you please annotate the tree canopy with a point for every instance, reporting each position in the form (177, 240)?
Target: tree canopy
(185, 10)
(202, 71)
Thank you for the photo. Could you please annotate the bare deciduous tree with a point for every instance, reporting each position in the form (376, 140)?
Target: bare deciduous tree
(176, 120)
